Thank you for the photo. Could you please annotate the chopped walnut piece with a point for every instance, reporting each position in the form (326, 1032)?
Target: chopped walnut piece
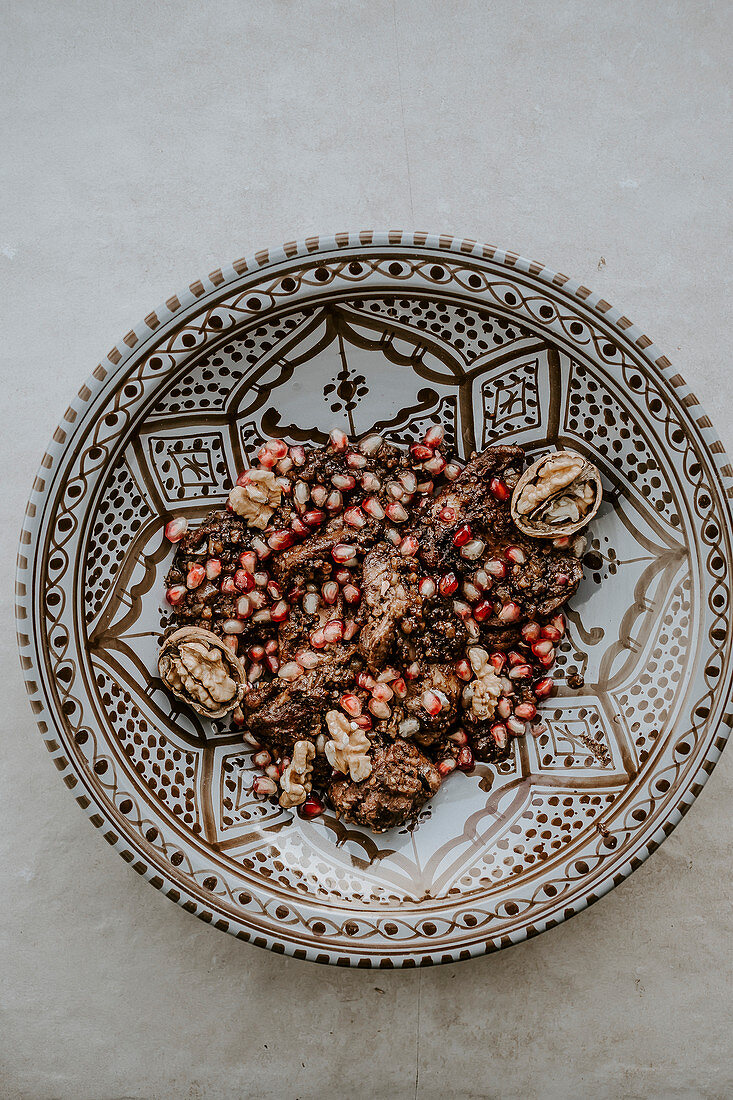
(484, 692)
(257, 499)
(295, 780)
(348, 749)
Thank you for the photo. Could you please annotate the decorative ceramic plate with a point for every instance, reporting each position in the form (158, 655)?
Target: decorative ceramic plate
(383, 330)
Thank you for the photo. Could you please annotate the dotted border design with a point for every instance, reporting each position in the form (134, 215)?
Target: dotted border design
(117, 358)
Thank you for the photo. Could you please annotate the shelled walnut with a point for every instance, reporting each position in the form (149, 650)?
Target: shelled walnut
(348, 748)
(257, 498)
(199, 669)
(558, 495)
(295, 780)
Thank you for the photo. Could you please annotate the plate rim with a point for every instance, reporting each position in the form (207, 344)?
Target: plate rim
(114, 363)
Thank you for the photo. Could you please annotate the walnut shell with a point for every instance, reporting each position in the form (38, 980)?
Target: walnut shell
(169, 669)
(563, 485)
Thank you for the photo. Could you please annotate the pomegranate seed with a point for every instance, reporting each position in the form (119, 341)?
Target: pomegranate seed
(531, 632)
(387, 675)
(427, 587)
(339, 440)
(551, 634)
(462, 535)
(453, 471)
(311, 603)
(515, 726)
(266, 458)
(395, 490)
(232, 626)
(499, 489)
(448, 584)
(343, 481)
(298, 455)
(365, 681)
(499, 733)
(319, 494)
(307, 659)
(351, 704)
(426, 487)
(244, 607)
(351, 630)
(510, 613)
(461, 609)
(330, 592)
(277, 447)
(354, 517)
(248, 560)
(516, 554)
(175, 594)
(472, 628)
(434, 436)
(561, 542)
(445, 767)
(274, 771)
(496, 568)
(261, 578)
(244, 478)
(312, 807)
(435, 465)
(196, 574)
(256, 652)
(382, 692)
(380, 709)
(373, 508)
(541, 649)
(412, 671)
(285, 465)
(317, 640)
(333, 631)
(334, 501)
(516, 658)
(562, 579)
(231, 643)
(520, 672)
(543, 688)
(447, 515)
(343, 552)
(504, 707)
(290, 671)
(299, 528)
(527, 711)
(351, 593)
(421, 453)
(342, 576)
(472, 550)
(559, 623)
(213, 568)
(548, 660)
(271, 645)
(471, 592)
(370, 483)
(257, 599)
(482, 610)
(255, 672)
(431, 702)
(370, 444)
(409, 546)
(280, 612)
(399, 687)
(261, 548)
(482, 579)
(459, 737)
(464, 760)
(498, 660)
(176, 528)
(392, 535)
(314, 518)
(408, 482)
(229, 587)
(263, 785)
(463, 669)
(396, 512)
(272, 663)
(355, 460)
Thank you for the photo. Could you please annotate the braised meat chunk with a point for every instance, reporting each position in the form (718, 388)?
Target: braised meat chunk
(401, 782)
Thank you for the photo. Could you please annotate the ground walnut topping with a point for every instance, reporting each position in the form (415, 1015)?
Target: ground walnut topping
(201, 673)
(486, 690)
(348, 749)
(256, 500)
(295, 781)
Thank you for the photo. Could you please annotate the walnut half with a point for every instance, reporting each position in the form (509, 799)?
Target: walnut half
(483, 693)
(348, 749)
(295, 780)
(255, 497)
(558, 495)
(199, 669)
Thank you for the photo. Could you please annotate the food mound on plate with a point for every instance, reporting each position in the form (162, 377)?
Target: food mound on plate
(385, 620)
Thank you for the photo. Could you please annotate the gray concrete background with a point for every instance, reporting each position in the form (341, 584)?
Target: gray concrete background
(144, 143)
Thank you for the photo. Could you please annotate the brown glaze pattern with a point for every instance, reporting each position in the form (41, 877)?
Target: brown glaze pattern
(391, 330)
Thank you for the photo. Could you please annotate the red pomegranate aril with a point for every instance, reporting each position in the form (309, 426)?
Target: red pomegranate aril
(229, 587)
(277, 447)
(261, 548)
(299, 528)
(312, 807)
(435, 465)
(373, 508)
(314, 518)
(516, 658)
(409, 546)
(351, 704)
(261, 578)
(319, 494)
(380, 709)
(274, 771)
(515, 726)
(354, 517)
(271, 645)
(425, 487)
(559, 623)
(561, 542)
(330, 592)
(232, 643)
(453, 471)
(196, 574)
(445, 767)
(471, 592)
(256, 672)
(427, 587)
(339, 440)
(472, 550)
(213, 568)
(395, 490)
(461, 609)
(396, 512)
(371, 443)
(248, 560)
(447, 515)
(531, 632)
(421, 453)
(462, 535)
(317, 640)
(516, 554)
(463, 669)
(272, 663)
(543, 688)
(370, 483)
(256, 652)
(262, 616)
(399, 687)
(175, 594)
(262, 758)
(496, 568)
(448, 584)
(482, 580)
(465, 761)
(343, 552)
(408, 481)
(365, 681)
(280, 611)
(266, 458)
(520, 672)
(344, 482)
(498, 660)
(291, 670)
(548, 660)
(562, 579)
(482, 610)
(232, 626)
(264, 786)
(500, 735)
(298, 455)
(257, 599)
(510, 613)
(244, 581)
(311, 603)
(459, 737)
(526, 711)
(351, 593)
(342, 576)
(244, 607)
(434, 436)
(499, 489)
(333, 631)
(504, 707)
(176, 528)
(412, 671)
(431, 702)
(301, 493)
(285, 465)
(355, 460)
(551, 634)
(351, 630)
(541, 649)
(307, 659)
(334, 501)
(382, 692)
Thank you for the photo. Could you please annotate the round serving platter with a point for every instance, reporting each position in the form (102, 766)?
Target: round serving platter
(392, 331)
